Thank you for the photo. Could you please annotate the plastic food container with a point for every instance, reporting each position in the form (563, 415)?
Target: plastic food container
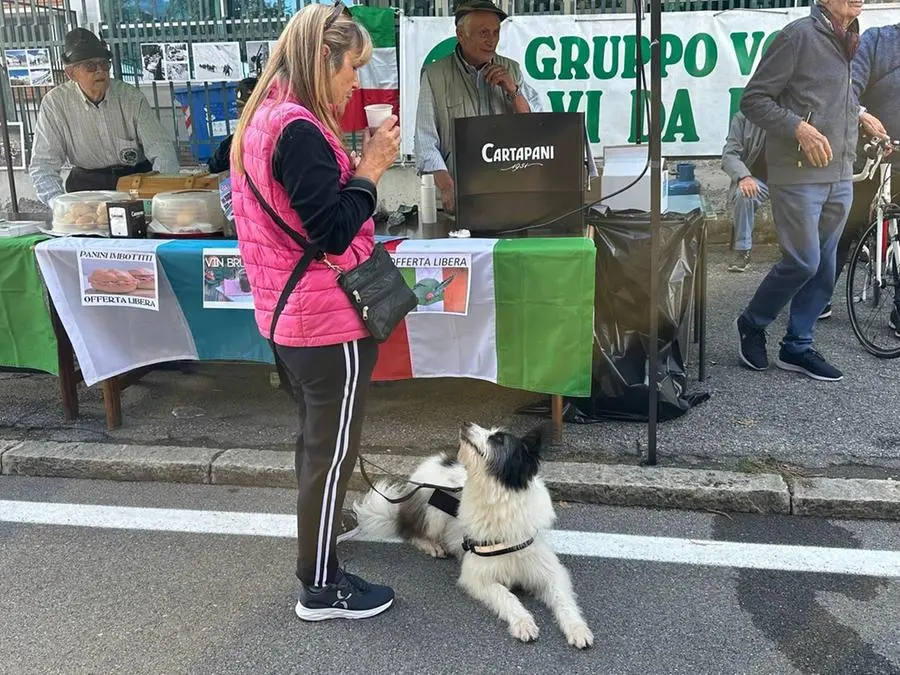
(19, 228)
(84, 212)
(186, 212)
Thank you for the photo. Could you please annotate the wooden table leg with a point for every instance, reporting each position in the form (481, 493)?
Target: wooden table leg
(556, 412)
(68, 381)
(112, 400)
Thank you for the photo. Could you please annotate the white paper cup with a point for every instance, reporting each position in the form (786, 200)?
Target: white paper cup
(377, 113)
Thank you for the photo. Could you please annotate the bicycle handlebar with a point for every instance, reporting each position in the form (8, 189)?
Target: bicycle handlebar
(874, 150)
(875, 147)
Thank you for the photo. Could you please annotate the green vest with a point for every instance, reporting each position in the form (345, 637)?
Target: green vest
(458, 92)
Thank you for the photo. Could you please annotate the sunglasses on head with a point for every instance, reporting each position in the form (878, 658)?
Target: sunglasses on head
(339, 8)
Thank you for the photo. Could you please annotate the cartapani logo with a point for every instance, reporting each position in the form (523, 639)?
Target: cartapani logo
(521, 157)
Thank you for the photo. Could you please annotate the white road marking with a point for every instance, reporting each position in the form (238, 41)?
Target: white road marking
(862, 562)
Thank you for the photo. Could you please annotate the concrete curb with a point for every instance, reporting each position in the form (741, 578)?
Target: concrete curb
(620, 485)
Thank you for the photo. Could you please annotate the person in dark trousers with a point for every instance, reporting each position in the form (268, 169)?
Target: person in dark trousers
(744, 160)
(876, 85)
(800, 95)
(289, 143)
(221, 161)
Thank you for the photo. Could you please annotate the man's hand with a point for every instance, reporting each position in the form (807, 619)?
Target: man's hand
(873, 126)
(815, 146)
(444, 183)
(499, 76)
(748, 187)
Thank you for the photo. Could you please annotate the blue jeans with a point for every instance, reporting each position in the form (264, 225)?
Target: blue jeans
(744, 209)
(809, 220)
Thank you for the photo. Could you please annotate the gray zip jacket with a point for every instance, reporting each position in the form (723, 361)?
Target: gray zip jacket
(805, 70)
(742, 147)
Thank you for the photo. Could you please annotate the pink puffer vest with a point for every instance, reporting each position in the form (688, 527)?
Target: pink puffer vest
(318, 312)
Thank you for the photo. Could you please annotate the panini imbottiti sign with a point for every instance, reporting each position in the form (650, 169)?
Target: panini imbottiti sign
(587, 63)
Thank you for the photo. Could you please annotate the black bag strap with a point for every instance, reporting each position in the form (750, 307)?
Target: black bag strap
(288, 230)
(309, 253)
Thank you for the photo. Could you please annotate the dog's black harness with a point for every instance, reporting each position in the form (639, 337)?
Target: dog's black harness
(488, 548)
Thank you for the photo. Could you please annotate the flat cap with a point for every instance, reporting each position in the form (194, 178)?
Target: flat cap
(469, 6)
(80, 44)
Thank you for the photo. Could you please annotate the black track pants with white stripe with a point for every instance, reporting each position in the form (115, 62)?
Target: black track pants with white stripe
(331, 384)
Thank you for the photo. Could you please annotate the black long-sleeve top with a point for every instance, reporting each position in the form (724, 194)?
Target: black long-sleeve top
(304, 163)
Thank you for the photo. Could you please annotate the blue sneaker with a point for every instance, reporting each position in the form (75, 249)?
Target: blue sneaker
(810, 363)
(349, 597)
(751, 344)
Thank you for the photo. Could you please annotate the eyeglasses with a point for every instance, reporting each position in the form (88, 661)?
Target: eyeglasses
(93, 65)
(339, 8)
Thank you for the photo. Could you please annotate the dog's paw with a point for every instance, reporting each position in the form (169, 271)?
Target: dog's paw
(429, 547)
(580, 636)
(437, 551)
(524, 629)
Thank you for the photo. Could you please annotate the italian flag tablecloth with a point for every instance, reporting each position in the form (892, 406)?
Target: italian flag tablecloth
(515, 312)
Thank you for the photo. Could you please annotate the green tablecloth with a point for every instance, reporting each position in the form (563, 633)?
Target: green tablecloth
(26, 332)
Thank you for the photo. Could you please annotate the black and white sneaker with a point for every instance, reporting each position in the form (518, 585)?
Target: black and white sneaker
(894, 322)
(826, 313)
(810, 363)
(751, 344)
(349, 597)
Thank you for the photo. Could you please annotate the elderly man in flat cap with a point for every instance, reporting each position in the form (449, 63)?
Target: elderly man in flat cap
(104, 128)
(474, 80)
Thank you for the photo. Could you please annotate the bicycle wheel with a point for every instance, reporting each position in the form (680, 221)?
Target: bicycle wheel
(869, 303)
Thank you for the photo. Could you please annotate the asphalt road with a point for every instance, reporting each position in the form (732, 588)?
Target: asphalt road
(81, 599)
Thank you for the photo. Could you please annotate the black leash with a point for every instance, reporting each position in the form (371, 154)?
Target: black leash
(406, 497)
(441, 499)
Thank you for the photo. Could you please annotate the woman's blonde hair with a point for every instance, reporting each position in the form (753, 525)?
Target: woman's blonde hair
(298, 63)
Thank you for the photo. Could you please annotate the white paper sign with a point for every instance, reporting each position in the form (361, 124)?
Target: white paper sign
(439, 280)
(225, 284)
(118, 279)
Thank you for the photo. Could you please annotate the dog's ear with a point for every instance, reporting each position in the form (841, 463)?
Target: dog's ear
(534, 439)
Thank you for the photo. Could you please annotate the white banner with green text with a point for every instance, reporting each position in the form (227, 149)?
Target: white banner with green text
(587, 63)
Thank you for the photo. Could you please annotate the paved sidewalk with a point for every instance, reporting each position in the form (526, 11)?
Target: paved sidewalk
(772, 423)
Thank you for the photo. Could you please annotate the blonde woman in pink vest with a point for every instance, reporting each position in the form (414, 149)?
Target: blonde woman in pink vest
(291, 174)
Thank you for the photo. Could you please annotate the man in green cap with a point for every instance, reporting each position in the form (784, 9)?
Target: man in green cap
(474, 80)
(105, 128)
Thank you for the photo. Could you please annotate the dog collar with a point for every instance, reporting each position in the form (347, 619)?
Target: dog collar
(484, 548)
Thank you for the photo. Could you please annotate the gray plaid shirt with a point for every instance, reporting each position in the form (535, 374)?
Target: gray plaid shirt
(121, 131)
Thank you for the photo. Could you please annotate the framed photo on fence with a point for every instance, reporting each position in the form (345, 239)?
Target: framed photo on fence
(17, 146)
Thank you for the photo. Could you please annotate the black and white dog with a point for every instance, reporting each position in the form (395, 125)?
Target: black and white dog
(504, 507)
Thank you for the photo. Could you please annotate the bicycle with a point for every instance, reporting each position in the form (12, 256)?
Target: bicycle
(873, 272)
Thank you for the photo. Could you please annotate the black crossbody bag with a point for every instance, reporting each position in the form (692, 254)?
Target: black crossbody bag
(375, 287)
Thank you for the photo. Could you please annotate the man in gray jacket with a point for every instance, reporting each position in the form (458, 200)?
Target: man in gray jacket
(744, 160)
(801, 95)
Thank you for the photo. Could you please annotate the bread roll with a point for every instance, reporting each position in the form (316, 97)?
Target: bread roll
(112, 281)
(146, 280)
